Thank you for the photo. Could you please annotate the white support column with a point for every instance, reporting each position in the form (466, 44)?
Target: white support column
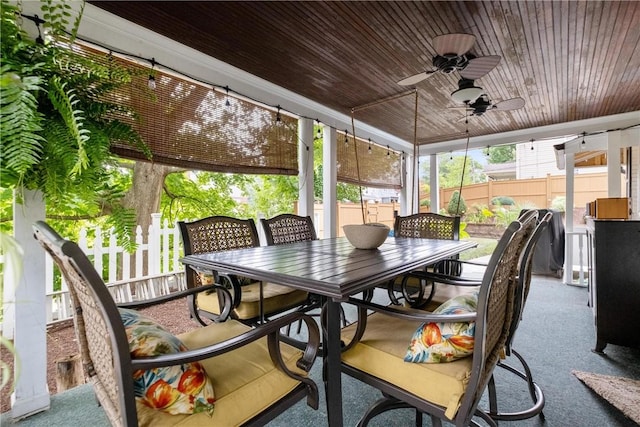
(569, 202)
(405, 192)
(31, 394)
(305, 165)
(434, 183)
(329, 181)
(409, 197)
(613, 164)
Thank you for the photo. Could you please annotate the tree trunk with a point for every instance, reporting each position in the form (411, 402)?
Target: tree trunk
(145, 193)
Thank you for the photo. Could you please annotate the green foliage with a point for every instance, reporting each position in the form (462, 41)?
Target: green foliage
(505, 216)
(463, 230)
(457, 205)
(479, 215)
(450, 171)
(558, 203)
(501, 153)
(425, 203)
(271, 195)
(503, 201)
(56, 127)
(344, 191)
(193, 195)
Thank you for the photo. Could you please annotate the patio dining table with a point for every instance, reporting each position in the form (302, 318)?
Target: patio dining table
(334, 269)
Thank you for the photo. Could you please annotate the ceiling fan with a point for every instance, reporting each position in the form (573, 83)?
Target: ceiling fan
(484, 104)
(453, 55)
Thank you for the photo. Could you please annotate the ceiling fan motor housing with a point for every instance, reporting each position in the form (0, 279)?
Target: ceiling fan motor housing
(450, 62)
(480, 106)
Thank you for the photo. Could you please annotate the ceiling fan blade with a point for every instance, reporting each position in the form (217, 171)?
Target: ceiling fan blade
(453, 43)
(509, 104)
(416, 78)
(480, 66)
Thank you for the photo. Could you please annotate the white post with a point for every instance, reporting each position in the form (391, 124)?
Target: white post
(407, 189)
(153, 244)
(305, 164)
(31, 394)
(329, 181)
(434, 183)
(613, 164)
(569, 161)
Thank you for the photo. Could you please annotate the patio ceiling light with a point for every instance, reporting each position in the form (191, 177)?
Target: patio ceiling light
(466, 92)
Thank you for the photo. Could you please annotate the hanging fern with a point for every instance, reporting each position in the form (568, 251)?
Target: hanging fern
(58, 121)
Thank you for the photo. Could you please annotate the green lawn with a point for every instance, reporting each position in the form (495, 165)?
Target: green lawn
(485, 247)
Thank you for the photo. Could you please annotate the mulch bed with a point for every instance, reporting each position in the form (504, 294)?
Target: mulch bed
(61, 342)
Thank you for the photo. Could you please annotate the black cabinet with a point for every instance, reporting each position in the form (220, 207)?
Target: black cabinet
(614, 281)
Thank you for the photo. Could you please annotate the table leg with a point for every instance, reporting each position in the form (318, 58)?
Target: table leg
(331, 364)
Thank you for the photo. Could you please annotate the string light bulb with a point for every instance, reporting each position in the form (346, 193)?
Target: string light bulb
(388, 152)
(532, 145)
(227, 103)
(346, 138)
(319, 132)
(151, 83)
(278, 116)
(583, 135)
(369, 149)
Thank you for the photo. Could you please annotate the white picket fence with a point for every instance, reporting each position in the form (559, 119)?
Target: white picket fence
(161, 248)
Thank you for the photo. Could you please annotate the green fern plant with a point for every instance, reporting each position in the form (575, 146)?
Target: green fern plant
(57, 123)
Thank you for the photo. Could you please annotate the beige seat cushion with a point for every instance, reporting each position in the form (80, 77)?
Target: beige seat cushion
(276, 298)
(245, 381)
(381, 354)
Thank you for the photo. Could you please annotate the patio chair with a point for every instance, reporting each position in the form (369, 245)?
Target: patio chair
(252, 302)
(452, 286)
(223, 374)
(376, 350)
(427, 225)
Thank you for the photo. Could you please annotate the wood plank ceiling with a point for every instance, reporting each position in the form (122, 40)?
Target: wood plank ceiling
(569, 60)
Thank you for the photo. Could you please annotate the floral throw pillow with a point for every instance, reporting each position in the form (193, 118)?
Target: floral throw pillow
(438, 342)
(178, 389)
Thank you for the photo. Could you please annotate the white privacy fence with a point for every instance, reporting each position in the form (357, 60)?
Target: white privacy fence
(159, 248)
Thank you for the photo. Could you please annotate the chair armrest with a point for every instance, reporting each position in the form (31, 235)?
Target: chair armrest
(444, 278)
(269, 329)
(365, 307)
(411, 314)
(173, 296)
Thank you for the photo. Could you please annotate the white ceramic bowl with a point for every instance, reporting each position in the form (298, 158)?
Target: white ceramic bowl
(366, 236)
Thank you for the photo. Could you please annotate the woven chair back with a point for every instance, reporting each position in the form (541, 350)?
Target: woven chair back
(288, 228)
(214, 234)
(495, 308)
(427, 225)
(103, 349)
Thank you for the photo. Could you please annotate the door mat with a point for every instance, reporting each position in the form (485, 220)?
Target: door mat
(623, 393)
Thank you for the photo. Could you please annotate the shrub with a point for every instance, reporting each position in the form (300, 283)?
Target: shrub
(503, 201)
(558, 203)
(425, 203)
(480, 214)
(453, 208)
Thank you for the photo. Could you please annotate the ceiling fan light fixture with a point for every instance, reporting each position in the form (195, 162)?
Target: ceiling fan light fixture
(466, 95)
